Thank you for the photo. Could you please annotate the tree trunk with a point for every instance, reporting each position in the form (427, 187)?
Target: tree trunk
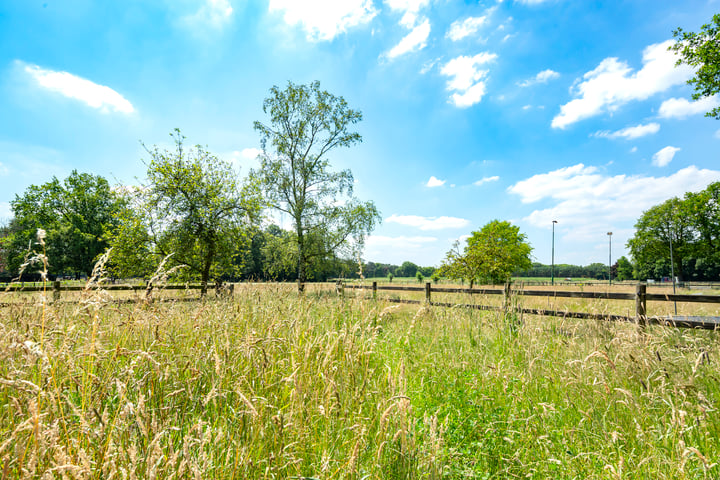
(301, 277)
(206, 269)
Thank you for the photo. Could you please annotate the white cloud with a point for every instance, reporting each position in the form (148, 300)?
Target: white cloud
(212, 13)
(467, 79)
(664, 156)
(434, 182)
(428, 223)
(401, 242)
(681, 108)
(588, 203)
(5, 212)
(613, 84)
(465, 28)
(71, 86)
(485, 180)
(3, 170)
(542, 77)
(413, 41)
(244, 159)
(630, 133)
(717, 134)
(324, 19)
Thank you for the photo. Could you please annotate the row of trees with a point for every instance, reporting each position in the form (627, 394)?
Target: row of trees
(193, 215)
(685, 230)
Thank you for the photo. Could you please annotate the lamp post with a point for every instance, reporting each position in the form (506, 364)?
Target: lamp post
(552, 268)
(672, 268)
(610, 257)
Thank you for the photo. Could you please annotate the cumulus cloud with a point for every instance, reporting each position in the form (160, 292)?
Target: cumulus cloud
(461, 29)
(96, 96)
(212, 13)
(428, 223)
(664, 156)
(542, 77)
(435, 182)
(630, 133)
(3, 170)
(485, 180)
(613, 84)
(413, 41)
(467, 79)
(324, 19)
(681, 108)
(244, 159)
(591, 201)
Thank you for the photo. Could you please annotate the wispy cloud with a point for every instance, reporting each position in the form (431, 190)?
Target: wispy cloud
(542, 77)
(681, 107)
(92, 94)
(5, 211)
(613, 84)
(590, 202)
(467, 79)
(428, 223)
(323, 20)
(464, 28)
(214, 14)
(664, 156)
(435, 182)
(485, 180)
(398, 242)
(413, 41)
(630, 133)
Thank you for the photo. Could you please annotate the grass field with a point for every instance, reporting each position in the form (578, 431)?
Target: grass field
(270, 385)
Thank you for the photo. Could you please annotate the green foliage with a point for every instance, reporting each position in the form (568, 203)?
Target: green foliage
(76, 214)
(692, 225)
(493, 253)
(701, 50)
(419, 277)
(305, 125)
(624, 269)
(190, 208)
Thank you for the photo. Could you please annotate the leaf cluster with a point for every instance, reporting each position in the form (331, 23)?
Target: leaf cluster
(702, 51)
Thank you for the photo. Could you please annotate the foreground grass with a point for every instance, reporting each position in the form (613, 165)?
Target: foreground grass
(272, 386)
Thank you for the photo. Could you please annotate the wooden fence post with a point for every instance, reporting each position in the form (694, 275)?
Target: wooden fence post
(56, 290)
(506, 301)
(427, 292)
(374, 290)
(641, 304)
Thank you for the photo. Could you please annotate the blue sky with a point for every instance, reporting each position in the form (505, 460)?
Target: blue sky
(520, 110)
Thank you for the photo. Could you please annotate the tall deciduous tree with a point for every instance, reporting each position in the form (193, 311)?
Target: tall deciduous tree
(493, 253)
(76, 213)
(191, 208)
(702, 50)
(305, 124)
(655, 231)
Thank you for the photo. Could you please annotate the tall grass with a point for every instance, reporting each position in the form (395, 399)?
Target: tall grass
(270, 385)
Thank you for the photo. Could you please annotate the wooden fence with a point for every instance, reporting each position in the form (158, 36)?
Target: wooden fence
(56, 288)
(641, 297)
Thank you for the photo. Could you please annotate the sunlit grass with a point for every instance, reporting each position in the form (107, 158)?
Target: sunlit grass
(270, 385)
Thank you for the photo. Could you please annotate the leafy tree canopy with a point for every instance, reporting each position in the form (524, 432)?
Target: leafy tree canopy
(691, 225)
(191, 208)
(305, 124)
(493, 253)
(702, 50)
(76, 213)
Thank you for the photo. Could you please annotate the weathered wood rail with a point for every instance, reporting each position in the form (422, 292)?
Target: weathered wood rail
(641, 297)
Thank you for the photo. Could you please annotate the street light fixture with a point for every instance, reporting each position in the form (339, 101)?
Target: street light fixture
(610, 257)
(552, 269)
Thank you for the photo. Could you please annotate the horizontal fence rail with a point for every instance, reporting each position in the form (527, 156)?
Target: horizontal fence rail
(641, 297)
